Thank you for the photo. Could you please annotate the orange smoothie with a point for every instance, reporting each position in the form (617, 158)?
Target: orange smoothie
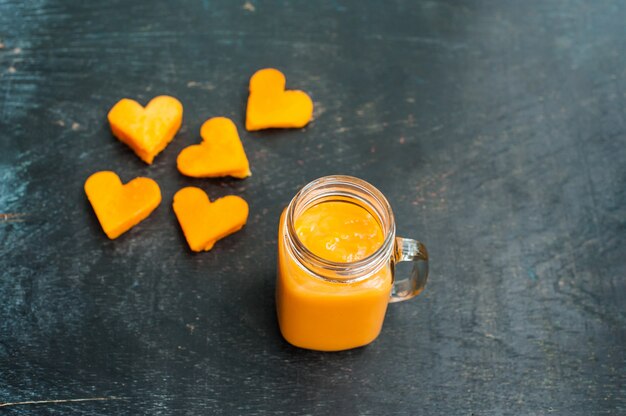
(324, 315)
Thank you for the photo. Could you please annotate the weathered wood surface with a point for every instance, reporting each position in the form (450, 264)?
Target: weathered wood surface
(497, 129)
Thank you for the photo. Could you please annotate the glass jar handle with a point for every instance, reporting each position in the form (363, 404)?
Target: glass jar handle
(410, 250)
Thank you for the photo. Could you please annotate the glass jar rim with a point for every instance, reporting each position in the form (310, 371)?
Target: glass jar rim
(347, 188)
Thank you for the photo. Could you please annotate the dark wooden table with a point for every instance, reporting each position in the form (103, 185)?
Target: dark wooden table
(497, 129)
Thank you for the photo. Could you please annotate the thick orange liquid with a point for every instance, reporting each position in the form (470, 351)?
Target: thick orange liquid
(339, 231)
(317, 314)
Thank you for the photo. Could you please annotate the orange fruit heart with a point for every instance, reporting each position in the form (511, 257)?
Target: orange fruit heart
(120, 207)
(146, 130)
(220, 153)
(269, 105)
(205, 222)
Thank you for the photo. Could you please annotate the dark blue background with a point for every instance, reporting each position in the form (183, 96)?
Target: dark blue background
(497, 130)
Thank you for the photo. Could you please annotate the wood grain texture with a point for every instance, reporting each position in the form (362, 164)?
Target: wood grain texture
(497, 129)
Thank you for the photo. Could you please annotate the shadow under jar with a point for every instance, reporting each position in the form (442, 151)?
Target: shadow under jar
(334, 283)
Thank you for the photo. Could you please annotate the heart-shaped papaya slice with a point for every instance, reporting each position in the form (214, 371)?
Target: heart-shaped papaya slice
(205, 222)
(120, 207)
(270, 105)
(220, 153)
(146, 130)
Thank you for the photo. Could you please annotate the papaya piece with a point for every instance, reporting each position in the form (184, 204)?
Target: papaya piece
(220, 153)
(120, 207)
(147, 130)
(271, 106)
(204, 222)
